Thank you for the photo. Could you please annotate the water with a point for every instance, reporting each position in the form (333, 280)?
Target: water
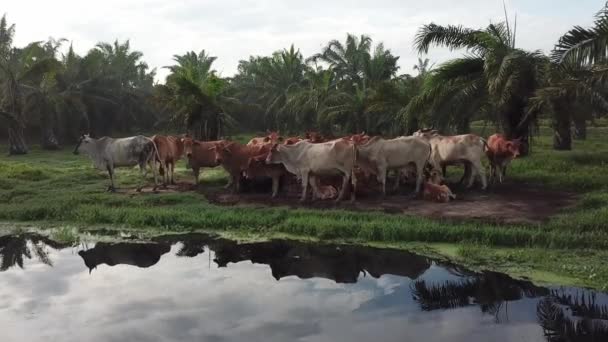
(200, 288)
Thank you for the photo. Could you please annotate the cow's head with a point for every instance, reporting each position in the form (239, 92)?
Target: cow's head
(359, 139)
(188, 144)
(314, 137)
(84, 143)
(292, 140)
(426, 133)
(513, 147)
(90, 259)
(222, 151)
(274, 156)
(435, 177)
(273, 138)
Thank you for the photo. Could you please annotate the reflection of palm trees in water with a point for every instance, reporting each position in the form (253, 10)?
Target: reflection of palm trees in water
(566, 317)
(491, 291)
(15, 248)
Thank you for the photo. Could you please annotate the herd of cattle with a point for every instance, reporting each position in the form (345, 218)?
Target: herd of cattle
(331, 167)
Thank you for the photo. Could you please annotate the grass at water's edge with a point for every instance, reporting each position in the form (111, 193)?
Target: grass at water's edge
(54, 187)
(551, 267)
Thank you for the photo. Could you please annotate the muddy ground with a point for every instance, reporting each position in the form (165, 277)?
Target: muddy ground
(506, 203)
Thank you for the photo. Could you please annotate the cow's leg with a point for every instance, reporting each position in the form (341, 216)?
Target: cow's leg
(353, 192)
(345, 182)
(305, 179)
(467, 173)
(397, 181)
(478, 170)
(314, 184)
(444, 170)
(275, 186)
(382, 178)
(111, 188)
(419, 177)
(237, 183)
(196, 172)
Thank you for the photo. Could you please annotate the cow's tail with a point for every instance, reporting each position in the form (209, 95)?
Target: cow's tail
(486, 147)
(152, 157)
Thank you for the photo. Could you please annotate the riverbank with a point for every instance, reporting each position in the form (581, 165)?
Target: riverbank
(51, 189)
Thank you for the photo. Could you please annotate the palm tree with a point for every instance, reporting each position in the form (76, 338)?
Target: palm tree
(348, 60)
(196, 94)
(494, 77)
(21, 72)
(271, 81)
(576, 88)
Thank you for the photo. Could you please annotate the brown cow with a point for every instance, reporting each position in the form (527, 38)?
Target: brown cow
(500, 152)
(292, 140)
(315, 137)
(170, 150)
(271, 138)
(235, 159)
(257, 168)
(434, 191)
(199, 154)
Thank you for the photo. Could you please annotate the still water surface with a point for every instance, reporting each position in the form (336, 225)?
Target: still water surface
(200, 288)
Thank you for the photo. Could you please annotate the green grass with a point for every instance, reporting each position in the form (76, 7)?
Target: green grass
(60, 188)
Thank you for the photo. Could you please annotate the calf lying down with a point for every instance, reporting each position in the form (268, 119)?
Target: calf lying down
(437, 193)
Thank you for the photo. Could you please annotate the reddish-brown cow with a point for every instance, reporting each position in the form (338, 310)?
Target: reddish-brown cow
(434, 191)
(170, 150)
(500, 152)
(235, 159)
(271, 138)
(199, 155)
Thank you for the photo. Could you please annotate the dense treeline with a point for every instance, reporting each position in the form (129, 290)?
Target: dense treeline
(349, 86)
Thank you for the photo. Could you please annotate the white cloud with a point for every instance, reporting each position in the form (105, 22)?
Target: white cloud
(236, 29)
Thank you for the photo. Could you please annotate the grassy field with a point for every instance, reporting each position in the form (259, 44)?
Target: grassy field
(58, 188)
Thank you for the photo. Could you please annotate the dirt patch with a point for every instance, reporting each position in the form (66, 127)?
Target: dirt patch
(509, 203)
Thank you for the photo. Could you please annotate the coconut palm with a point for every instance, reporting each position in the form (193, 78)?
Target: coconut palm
(494, 77)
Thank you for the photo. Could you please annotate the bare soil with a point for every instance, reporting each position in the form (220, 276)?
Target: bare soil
(506, 203)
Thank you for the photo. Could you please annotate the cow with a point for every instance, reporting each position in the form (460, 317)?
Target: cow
(109, 153)
(437, 193)
(458, 149)
(292, 140)
(235, 159)
(501, 152)
(314, 137)
(170, 151)
(257, 168)
(136, 254)
(307, 161)
(271, 138)
(379, 156)
(199, 155)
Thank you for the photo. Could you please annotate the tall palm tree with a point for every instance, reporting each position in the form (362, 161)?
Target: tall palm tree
(577, 86)
(197, 95)
(21, 72)
(494, 72)
(348, 60)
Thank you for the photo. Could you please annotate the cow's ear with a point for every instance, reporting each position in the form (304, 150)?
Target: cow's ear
(280, 139)
(266, 139)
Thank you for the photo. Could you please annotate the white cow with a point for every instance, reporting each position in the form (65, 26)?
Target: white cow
(307, 160)
(395, 154)
(458, 149)
(108, 154)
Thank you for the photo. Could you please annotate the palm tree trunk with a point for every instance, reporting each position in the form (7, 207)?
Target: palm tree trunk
(49, 139)
(463, 127)
(580, 129)
(562, 139)
(16, 139)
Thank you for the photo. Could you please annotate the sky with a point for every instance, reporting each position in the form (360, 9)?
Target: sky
(233, 30)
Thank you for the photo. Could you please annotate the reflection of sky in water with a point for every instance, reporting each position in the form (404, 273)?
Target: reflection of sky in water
(191, 299)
